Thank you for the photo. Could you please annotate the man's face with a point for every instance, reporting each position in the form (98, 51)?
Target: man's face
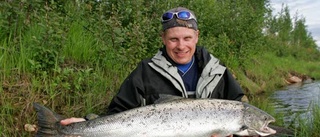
(180, 43)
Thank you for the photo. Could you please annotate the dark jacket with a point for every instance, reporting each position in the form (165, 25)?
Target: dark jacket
(159, 75)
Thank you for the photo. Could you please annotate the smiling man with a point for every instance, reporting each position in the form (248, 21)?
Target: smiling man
(180, 43)
(179, 68)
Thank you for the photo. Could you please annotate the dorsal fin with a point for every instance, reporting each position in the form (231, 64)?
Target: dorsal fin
(164, 98)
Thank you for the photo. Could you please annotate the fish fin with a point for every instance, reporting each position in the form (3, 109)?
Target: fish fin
(220, 133)
(48, 121)
(163, 98)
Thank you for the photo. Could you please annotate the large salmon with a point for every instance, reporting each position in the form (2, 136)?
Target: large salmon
(174, 118)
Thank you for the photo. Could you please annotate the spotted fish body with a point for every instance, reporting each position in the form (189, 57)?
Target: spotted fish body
(176, 118)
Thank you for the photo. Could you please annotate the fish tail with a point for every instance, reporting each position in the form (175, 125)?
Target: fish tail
(48, 121)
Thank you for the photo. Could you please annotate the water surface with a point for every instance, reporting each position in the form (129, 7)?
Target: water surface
(295, 101)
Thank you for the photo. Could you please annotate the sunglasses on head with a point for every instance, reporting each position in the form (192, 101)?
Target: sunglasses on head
(183, 15)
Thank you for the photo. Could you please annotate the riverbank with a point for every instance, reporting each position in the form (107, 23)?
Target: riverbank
(266, 73)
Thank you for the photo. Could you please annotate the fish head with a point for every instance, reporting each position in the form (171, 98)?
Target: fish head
(256, 122)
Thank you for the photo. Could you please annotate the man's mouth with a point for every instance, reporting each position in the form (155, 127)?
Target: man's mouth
(182, 53)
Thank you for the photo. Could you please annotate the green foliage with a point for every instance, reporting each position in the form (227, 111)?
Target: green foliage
(237, 24)
(289, 37)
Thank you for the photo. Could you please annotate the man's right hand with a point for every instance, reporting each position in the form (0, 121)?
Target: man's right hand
(71, 120)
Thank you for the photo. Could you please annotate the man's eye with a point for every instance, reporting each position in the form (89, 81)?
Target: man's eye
(174, 39)
(187, 38)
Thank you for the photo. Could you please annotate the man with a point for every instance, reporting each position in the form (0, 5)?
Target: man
(179, 68)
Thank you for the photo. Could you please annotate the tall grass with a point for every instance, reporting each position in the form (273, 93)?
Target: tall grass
(77, 87)
(68, 70)
(309, 126)
(267, 69)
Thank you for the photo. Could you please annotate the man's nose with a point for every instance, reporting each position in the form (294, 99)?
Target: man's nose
(181, 44)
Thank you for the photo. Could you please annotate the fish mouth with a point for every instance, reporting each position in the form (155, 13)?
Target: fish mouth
(265, 130)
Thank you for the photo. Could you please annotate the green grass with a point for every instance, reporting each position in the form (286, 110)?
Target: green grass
(268, 72)
(74, 88)
(309, 127)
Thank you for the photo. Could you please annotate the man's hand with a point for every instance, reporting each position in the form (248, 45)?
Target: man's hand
(71, 120)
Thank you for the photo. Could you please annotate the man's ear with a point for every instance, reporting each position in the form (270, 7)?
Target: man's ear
(163, 37)
(198, 32)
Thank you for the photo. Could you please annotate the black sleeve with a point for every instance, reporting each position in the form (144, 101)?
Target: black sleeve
(228, 88)
(129, 94)
(233, 90)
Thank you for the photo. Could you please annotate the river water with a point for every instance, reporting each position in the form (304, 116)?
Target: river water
(295, 101)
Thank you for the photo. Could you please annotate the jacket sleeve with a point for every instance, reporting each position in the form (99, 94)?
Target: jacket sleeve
(232, 89)
(228, 88)
(130, 93)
